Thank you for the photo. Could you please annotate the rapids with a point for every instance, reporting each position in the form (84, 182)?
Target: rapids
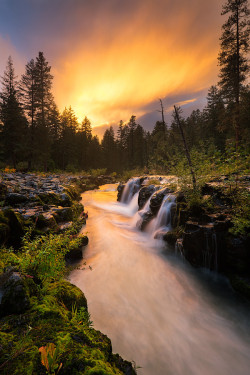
(156, 309)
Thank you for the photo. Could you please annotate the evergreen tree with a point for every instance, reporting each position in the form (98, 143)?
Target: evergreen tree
(43, 83)
(14, 123)
(131, 140)
(84, 142)
(27, 87)
(109, 150)
(233, 55)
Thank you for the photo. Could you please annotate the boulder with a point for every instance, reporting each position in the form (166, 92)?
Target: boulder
(120, 189)
(157, 198)
(75, 254)
(16, 227)
(68, 294)
(17, 290)
(15, 199)
(144, 194)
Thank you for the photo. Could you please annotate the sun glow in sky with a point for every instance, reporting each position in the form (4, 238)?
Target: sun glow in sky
(111, 59)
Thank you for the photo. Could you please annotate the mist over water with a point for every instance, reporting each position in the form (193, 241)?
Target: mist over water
(158, 311)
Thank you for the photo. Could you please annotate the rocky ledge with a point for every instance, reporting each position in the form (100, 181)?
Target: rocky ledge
(47, 203)
(51, 321)
(200, 228)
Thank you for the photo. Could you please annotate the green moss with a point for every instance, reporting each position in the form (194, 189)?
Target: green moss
(4, 233)
(81, 349)
(68, 294)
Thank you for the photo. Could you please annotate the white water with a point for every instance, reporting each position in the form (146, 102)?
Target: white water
(162, 222)
(167, 317)
(131, 187)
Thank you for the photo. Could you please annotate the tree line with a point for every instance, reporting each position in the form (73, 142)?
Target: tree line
(35, 135)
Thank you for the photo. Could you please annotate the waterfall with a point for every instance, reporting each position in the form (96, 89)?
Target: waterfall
(131, 187)
(138, 217)
(162, 223)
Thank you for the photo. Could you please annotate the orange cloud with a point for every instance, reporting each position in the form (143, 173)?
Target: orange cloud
(110, 76)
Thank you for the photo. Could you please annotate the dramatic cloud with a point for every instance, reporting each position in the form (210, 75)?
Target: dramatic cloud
(115, 58)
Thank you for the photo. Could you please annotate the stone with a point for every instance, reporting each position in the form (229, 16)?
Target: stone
(17, 290)
(14, 199)
(68, 294)
(144, 194)
(120, 189)
(157, 198)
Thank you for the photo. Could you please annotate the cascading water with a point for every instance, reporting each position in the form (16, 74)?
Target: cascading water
(158, 311)
(162, 223)
(138, 217)
(131, 187)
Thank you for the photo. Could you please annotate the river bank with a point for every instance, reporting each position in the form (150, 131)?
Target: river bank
(209, 227)
(45, 324)
(158, 310)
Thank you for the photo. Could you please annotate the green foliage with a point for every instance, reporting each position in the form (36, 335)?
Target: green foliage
(241, 210)
(98, 172)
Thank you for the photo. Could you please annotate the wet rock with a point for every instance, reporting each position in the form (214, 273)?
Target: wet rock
(157, 198)
(75, 254)
(146, 218)
(120, 189)
(144, 194)
(124, 366)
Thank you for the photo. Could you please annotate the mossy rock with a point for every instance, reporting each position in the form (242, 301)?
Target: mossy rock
(16, 226)
(17, 291)
(46, 221)
(63, 200)
(68, 294)
(63, 214)
(4, 233)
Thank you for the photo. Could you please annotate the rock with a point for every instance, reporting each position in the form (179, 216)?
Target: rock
(157, 198)
(14, 199)
(146, 218)
(63, 214)
(4, 233)
(124, 366)
(144, 194)
(46, 220)
(3, 191)
(237, 255)
(75, 254)
(17, 291)
(68, 294)
(120, 189)
(15, 223)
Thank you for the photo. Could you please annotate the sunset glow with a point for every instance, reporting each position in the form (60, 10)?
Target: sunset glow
(110, 61)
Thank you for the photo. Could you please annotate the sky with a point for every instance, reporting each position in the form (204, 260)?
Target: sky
(115, 58)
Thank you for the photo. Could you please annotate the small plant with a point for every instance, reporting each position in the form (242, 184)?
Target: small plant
(80, 316)
(50, 357)
(9, 170)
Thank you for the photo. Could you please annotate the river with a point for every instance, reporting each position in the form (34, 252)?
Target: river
(157, 310)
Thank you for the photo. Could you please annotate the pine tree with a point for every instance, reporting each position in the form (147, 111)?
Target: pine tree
(28, 92)
(233, 55)
(43, 97)
(14, 123)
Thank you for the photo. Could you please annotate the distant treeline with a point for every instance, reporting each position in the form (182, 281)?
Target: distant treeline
(34, 135)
